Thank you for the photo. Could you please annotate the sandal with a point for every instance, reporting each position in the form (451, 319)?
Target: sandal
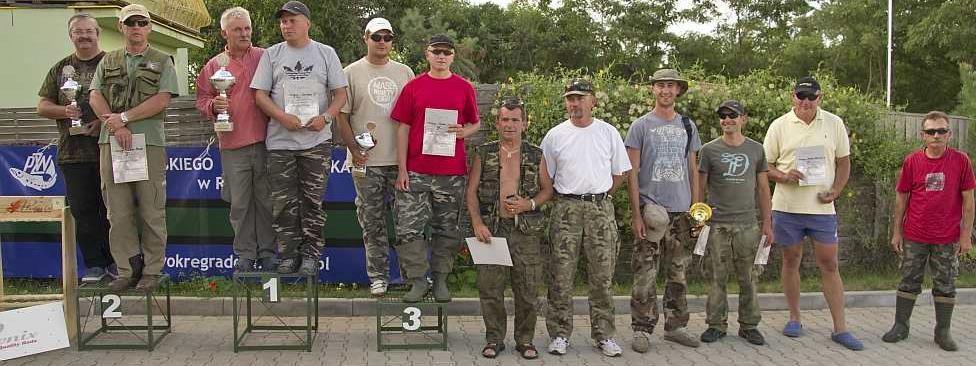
(524, 349)
(494, 348)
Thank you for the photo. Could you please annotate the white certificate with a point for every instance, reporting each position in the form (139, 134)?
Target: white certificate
(437, 141)
(130, 165)
(495, 252)
(812, 162)
(762, 254)
(301, 99)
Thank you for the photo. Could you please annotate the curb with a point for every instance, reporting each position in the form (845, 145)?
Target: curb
(331, 307)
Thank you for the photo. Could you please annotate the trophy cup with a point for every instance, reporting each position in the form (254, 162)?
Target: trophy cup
(70, 90)
(223, 80)
(700, 212)
(366, 143)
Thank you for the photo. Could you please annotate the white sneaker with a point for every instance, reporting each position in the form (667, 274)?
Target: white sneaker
(378, 288)
(558, 346)
(610, 347)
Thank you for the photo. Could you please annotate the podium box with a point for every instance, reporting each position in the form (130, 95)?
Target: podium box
(268, 318)
(420, 325)
(126, 320)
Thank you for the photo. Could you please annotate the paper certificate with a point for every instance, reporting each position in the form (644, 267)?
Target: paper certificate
(812, 162)
(130, 165)
(437, 141)
(301, 99)
(762, 253)
(485, 253)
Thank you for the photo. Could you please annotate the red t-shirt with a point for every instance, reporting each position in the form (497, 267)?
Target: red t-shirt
(935, 189)
(424, 92)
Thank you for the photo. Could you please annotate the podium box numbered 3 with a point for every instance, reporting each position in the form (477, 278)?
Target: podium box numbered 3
(128, 320)
(265, 318)
(420, 325)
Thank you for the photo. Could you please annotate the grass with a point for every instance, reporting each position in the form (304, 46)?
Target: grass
(219, 286)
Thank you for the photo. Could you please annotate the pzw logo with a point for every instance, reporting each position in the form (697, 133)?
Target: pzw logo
(38, 172)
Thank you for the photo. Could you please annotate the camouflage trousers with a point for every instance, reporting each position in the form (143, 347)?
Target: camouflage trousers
(732, 249)
(669, 256)
(588, 228)
(372, 206)
(433, 200)
(941, 259)
(524, 277)
(298, 179)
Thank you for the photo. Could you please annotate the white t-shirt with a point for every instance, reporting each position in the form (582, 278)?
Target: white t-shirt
(584, 160)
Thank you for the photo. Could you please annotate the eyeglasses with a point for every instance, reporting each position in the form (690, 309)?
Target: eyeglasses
(376, 37)
(811, 96)
(441, 52)
(511, 103)
(142, 23)
(933, 131)
(730, 115)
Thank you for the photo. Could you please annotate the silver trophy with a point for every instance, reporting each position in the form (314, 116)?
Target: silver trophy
(366, 143)
(223, 80)
(70, 90)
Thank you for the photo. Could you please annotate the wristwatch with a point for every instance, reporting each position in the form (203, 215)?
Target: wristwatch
(125, 119)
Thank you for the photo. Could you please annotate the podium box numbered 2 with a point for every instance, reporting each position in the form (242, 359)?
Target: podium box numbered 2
(420, 325)
(128, 320)
(264, 319)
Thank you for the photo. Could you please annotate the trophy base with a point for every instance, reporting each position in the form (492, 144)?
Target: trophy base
(79, 130)
(223, 126)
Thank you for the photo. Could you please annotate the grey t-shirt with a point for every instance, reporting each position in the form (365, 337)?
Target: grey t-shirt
(664, 172)
(311, 71)
(372, 91)
(732, 172)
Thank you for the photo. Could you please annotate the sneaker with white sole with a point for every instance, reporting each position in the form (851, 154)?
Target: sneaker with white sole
(558, 346)
(94, 274)
(610, 347)
(378, 288)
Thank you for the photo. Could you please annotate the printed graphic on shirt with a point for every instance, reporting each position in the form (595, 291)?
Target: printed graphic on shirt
(382, 92)
(736, 167)
(669, 146)
(934, 182)
(298, 72)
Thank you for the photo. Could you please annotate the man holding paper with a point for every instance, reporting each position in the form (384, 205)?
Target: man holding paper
(507, 185)
(130, 91)
(435, 111)
(587, 160)
(300, 85)
(808, 153)
(733, 172)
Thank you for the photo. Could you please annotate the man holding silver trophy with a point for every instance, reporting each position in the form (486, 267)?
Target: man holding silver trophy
(225, 97)
(365, 126)
(64, 98)
(299, 84)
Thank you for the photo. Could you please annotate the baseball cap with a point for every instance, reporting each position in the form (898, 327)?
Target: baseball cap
(655, 221)
(378, 24)
(294, 7)
(441, 40)
(807, 84)
(578, 87)
(132, 10)
(732, 105)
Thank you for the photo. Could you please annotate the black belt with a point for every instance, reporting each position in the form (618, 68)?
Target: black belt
(590, 197)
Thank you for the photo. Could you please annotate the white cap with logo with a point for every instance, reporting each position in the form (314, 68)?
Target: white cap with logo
(378, 24)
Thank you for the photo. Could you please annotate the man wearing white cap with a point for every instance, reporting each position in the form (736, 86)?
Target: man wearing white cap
(375, 82)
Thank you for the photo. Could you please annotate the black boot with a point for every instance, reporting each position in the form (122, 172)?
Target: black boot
(441, 292)
(417, 291)
(943, 318)
(903, 312)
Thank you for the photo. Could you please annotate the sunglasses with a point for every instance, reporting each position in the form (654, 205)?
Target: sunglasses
(807, 95)
(441, 52)
(933, 131)
(381, 37)
(142, 23)
(729, 115)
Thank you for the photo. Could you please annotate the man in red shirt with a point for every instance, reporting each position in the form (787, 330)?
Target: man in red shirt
(242, 151)
(435, 111)
(936, 187)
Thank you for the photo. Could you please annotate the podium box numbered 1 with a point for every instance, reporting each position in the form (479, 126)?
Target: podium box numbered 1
(420, 325)
(265, 319)
(126, 320)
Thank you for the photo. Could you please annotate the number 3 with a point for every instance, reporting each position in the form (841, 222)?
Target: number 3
(111, 311)
(411, 318)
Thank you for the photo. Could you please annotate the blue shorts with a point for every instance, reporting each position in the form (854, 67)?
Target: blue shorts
(790, 228)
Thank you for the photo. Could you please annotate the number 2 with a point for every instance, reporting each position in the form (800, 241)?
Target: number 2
(112, 310)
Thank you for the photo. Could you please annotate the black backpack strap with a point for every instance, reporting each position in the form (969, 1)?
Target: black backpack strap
(687, 122)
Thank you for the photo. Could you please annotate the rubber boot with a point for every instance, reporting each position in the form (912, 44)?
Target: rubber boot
(903, 312)
(943, 318)
(441, 293)
(417, 291)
